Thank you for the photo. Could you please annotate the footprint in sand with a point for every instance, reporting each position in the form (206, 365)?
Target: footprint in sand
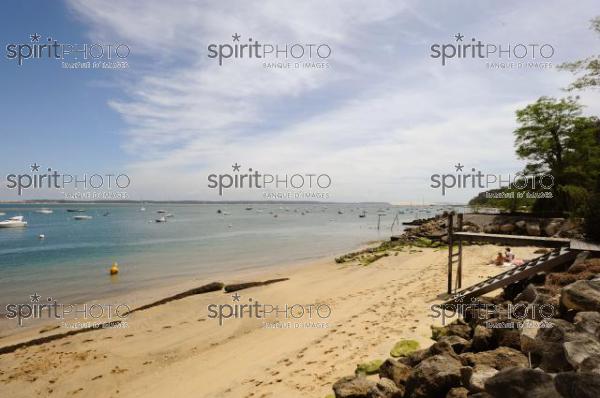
(97, 377)
(118, 370)
(128, 335)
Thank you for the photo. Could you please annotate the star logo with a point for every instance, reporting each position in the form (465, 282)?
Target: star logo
(35, 298)
(459, 167)
(35, 167)
(236, 37)
(35, 38)
(459, 37)
(236, 297)
(236, 167)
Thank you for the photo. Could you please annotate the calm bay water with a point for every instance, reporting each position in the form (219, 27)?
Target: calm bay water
(73, 259)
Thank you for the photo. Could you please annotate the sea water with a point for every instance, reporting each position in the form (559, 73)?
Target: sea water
(73, 259)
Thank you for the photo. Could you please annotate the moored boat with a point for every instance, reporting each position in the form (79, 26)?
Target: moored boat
(13, 222)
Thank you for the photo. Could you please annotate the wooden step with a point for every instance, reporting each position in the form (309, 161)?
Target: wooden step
(539, 264)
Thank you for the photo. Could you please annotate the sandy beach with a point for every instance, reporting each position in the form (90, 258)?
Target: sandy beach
(177, 350)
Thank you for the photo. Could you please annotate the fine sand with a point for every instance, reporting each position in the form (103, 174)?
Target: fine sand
(176, 350)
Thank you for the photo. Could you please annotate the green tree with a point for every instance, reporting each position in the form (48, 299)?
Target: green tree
(556, 140)
(588, 70)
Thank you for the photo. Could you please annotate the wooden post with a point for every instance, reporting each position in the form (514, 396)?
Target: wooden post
(459, 269)
(450, 248)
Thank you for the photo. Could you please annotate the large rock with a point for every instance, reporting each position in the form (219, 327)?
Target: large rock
(507, 228)
(552, 228)
(588, 322)
(457, 392)
(505, 333)
(385, 388)
(474, 378)
(533, 228)
(582, 295)
(395, 371)
(482, 338)
(353, 387)
(433, 377)
(521, 224)
(521, 383)
(438, 348)
(544, 341)
(537, 295)
(457, 328)
(578, 385)
(491, 229)
(579, 263)
(500, 358)
(458, 344)
(580, 348)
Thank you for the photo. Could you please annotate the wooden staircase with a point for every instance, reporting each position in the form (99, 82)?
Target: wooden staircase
(540, 264)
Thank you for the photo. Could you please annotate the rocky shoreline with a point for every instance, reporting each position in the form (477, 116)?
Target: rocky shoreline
(433, 232)
(537, 338)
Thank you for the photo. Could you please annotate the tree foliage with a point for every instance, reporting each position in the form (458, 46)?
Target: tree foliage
(588, 70)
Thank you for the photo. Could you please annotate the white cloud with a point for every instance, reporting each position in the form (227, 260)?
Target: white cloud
(380, 121)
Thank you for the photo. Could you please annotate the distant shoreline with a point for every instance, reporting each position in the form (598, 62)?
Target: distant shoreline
(289, 202)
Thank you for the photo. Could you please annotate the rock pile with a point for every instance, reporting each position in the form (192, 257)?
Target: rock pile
(549, 353)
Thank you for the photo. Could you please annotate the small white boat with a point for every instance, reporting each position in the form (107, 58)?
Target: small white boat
(142, 209)
(44, 211)
(13, 222)
(80, 218)
(162, 219)
(42, 236)
(168, 215)
(2, 214)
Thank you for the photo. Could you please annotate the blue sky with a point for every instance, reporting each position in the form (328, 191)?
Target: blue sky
(380, 120)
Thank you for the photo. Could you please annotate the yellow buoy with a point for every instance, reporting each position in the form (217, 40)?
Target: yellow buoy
(114, 269)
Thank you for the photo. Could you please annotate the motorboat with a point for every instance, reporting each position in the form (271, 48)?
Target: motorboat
(142, 209)
(80, 218)
(44, 211)
(75, 210)
(13, 222)
(248, 208)
(162, 219)
(161, 211)
(168, 215)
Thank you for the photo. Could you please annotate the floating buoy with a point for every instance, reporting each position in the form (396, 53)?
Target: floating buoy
(114, 269)
(42, 236)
